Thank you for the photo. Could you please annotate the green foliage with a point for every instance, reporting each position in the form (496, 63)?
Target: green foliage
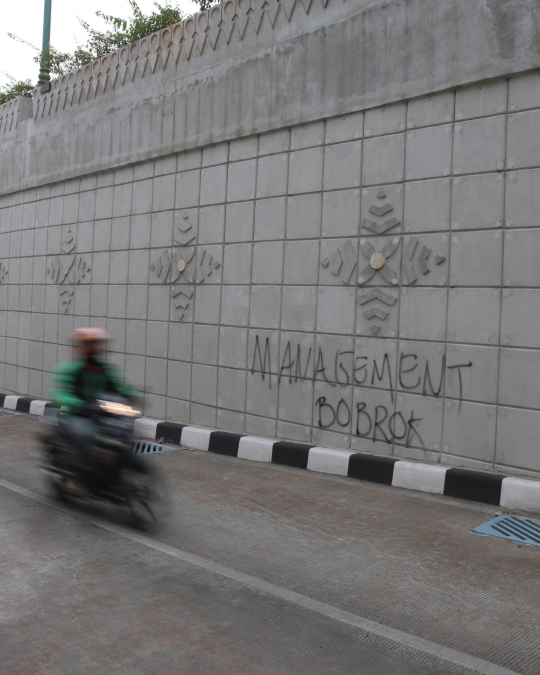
(15, 89)
(205, 4)
(118, 32)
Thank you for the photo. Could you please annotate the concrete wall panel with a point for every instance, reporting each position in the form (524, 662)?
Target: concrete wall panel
(429, 152)
(430, 110)
(522, 258)
(343, 128)
(387, 120)
(523, 198)
(383, 159)
(480, 100)
(519, 377)
(270, 217)
(524, 91)
(517, 438)
(427, 205)
(523, 144)
(340, 213)
(342, 165)
(479, 145)
(478, 202)
(517, 304)
(471, 425)
(423, 313)
(305, 171)
(476, 258)
(474, 315)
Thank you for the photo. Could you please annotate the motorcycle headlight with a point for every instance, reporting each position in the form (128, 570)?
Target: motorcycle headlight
(118, 409)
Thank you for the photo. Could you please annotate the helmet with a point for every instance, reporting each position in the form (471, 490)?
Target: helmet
(89, 335)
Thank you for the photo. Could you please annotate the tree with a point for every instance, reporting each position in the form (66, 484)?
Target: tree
(118, 32)
(15, 89)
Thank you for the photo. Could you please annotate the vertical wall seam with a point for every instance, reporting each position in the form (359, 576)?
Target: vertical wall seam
(396, 391)
(193, 305)
(448, 289)
(502, 285)
(358, 236)
(145, 407)
(248, 329)
(218, 366)
(172, 315)
(317, 291)
(280, 329)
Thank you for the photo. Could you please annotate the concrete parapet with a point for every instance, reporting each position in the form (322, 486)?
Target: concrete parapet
(247, 66)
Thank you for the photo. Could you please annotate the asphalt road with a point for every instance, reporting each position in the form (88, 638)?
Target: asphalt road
(258, 569)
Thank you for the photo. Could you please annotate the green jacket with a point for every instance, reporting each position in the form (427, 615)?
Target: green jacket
(79, 382)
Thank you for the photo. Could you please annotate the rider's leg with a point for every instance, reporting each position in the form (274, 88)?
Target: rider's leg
(80, 431)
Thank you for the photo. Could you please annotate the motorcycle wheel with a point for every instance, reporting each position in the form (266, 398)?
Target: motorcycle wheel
(56, 486)
(55, 452)
(145, 499)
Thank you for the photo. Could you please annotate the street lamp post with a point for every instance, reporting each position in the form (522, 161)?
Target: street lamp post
(44, 66)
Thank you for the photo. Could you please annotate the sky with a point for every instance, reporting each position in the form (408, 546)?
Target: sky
(25, 19)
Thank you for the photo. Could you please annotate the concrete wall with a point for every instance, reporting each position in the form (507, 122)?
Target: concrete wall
(364, 280)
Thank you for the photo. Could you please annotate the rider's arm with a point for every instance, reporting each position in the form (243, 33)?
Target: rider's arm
(64, 386)
(118, 383)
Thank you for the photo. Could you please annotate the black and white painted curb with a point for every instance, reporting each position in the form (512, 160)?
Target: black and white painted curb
(24, 405)
(479, 486)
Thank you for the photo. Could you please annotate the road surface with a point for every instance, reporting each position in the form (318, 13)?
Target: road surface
(259, 569)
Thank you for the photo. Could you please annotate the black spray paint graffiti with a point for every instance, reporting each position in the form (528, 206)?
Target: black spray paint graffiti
(344, 368)
(370, 426)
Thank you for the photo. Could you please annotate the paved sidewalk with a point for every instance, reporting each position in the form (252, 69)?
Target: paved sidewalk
(76, 598)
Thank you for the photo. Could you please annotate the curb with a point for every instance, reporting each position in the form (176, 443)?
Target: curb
(25, 405)
(478, 486)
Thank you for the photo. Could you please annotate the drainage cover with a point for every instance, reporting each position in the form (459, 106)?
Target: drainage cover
(145, 448)
(5, 413)
(522, 530)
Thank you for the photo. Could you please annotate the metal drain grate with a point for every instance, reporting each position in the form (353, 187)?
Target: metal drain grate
(5, 413)
(145, 448)
(522, 530)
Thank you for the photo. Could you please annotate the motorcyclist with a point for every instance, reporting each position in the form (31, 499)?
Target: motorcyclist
(78, 385)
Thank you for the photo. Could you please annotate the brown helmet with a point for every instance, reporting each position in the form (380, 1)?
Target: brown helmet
(89, 335)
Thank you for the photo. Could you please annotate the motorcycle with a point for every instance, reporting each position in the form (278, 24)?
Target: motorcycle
(113, 473)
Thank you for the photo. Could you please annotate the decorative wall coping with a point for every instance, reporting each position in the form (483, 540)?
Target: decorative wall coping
(14, 112)
(193, 39)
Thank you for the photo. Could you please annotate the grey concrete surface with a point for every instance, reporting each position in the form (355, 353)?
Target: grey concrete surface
(77, 598)
(236, 279)
(241, 68)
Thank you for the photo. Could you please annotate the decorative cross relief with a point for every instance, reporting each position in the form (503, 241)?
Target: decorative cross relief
(378, 261)
(416, 259)
(379, 312)
(188, 264)
(342, 261)
(68, 270)
(3, 272)
(380, 212)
